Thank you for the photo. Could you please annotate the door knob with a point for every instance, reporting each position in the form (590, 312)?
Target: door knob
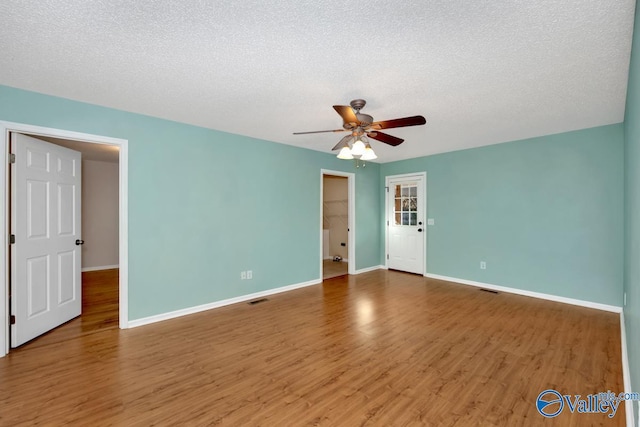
(79, 242)
(420, 229)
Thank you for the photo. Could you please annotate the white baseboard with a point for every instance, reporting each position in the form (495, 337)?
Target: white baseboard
(216, 304)
(368, 269)
(626, 375)
(572, 301)
(102, 267)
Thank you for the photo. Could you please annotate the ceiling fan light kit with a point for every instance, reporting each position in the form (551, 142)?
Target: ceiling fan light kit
(368, 154)
(356, 146)
(345, 154)
(357, 149)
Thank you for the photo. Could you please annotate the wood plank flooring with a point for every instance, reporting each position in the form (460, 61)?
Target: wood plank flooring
(99, 310)
(378, 349)
(331, 269)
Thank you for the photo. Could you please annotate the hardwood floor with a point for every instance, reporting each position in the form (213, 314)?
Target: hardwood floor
(99, 310)
(331, 269)
(378, 349)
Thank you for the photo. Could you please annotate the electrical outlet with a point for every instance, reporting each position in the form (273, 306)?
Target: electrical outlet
(624, 299)
(243, 275)
(483, 265)
(249, 274)
(431, 221)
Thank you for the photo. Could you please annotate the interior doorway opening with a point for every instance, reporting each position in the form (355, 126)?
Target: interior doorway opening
(337, 239)
(335, 226)
(116, 268)
(99, 246)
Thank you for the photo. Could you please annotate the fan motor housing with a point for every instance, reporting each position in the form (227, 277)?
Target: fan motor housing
(364, 120)
(358, 104)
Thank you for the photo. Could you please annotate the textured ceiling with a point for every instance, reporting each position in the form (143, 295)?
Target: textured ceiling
(481, 72)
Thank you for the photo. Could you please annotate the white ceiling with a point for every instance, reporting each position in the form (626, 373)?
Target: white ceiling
(481, 72)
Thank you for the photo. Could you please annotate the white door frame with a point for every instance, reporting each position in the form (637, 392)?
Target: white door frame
(351, 221)
(406, 176)
(5, 129)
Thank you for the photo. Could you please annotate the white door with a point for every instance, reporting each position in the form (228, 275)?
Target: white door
(45, 219)
(406, 223)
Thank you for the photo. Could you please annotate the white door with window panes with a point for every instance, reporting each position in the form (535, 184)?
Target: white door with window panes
(406, 223)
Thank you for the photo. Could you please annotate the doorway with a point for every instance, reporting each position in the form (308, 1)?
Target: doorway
(89, 142)
(337, 229)
(405, 223)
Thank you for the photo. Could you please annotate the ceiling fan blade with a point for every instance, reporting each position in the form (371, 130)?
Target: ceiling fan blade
(399, 123)
(344, 142)
(320, 131)
(346, 113)
(386, 138)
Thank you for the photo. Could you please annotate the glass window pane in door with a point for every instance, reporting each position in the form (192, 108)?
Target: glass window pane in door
(413, 204)
(405, 218)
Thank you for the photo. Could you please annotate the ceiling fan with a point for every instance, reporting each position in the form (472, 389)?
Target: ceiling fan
(358, 125)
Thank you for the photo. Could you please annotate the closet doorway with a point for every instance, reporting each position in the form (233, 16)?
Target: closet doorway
(337, 232)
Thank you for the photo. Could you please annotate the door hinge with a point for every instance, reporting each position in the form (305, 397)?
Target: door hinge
(12, 239)
(387, 189)
(12, 158)
(12, 320)
(387, 223)
(387, 256)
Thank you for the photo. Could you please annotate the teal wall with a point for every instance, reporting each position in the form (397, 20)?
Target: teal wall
(632, 211)
(546, 214)
(205, 205)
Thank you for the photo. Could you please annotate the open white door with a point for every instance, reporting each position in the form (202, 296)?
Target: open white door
(45, 219)
(405, 223)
